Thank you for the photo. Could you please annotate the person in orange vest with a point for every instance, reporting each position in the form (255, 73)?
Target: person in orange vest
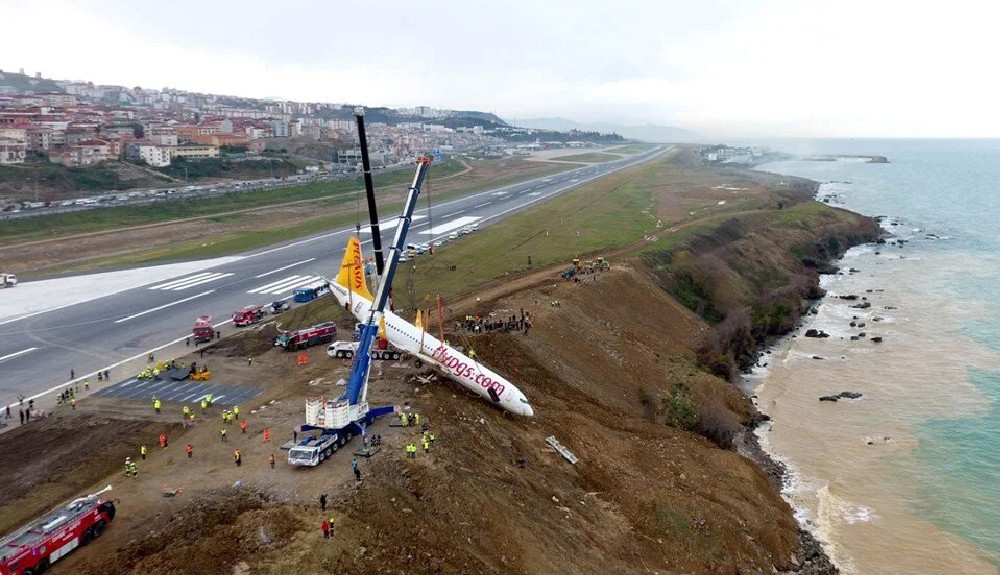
(270, 459)
(239, 457)
(163, 440)
(243, 426)
(267, 435)
(190, 450)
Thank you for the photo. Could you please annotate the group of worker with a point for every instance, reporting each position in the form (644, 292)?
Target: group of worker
(131, 469)
(426, 440)
(230, 416)
(408, 420)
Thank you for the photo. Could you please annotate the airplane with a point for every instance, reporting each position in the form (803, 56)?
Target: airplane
(352, 293)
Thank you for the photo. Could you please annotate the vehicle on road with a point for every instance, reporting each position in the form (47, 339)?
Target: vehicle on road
(248, 315)
(312, 291)
(347, 349)
(203, 330)
(280, 306)
(36, 546)
(306, 337)
(8, 280)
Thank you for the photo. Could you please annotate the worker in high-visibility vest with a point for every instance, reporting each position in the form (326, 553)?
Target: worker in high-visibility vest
(236, 412)
(411, 451)
(267, 435)
(403, 419)
(239, 457)
(204, 405)
(157, 405)
(143, 451)
(427, 446)
(416, 419)
(223, 433)
(187, 412)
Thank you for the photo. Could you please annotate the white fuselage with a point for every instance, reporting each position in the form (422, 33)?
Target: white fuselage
(449, 362)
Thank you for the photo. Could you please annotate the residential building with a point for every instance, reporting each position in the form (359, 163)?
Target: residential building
(39, 139)
(12, 151)
(153, 154)
(14, 133)
(280, 128)
(194, 152)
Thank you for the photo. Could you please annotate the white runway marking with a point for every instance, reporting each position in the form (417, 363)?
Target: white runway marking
(190, 281)
(285, 268)
(17, 353)
(283, 285)
(158, 308)
(452, 225)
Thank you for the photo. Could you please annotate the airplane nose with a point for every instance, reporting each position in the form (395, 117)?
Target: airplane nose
(527, 411)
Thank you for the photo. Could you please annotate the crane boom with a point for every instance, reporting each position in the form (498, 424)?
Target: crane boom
(362, 360)
(366, 165)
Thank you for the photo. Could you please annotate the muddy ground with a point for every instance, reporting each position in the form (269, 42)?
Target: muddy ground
(490, 496)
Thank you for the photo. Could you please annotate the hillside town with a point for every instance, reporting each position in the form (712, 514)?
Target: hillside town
(79, 124)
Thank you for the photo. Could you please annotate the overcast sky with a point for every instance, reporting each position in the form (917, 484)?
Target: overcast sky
(766, 68)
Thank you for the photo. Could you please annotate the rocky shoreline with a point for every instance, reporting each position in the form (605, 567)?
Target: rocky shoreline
(811, 558)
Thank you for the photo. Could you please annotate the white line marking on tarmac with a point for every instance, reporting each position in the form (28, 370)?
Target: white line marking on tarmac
(272, 285)
(285, 268)
(452, 225)
(453, 214)
(482, 204)
(158, 308)
(17, 353)
(175, 281)
(189, 283)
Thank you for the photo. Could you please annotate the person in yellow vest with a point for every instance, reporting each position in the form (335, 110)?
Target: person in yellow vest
(225, 416)
(204, 405)
(236, 412)
(427, 446)
(157, 405)
(222, 432)
(143, 451)
(187, 412)
(411, 451)
(403, 420)
(431, 438)
(416, 419)
(72, 402)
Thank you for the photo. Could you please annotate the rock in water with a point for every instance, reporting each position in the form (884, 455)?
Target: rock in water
(832, 398)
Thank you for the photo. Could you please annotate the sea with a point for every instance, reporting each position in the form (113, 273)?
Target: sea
(905, 479)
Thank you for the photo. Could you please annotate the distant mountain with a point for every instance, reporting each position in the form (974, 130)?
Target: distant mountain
(648, 132)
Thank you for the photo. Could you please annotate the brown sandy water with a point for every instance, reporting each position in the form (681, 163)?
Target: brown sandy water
(844, 457)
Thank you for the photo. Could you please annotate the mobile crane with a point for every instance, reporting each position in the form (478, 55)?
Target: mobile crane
(339, 420)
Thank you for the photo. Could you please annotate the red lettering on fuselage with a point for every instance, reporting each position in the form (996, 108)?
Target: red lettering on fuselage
(460, 369)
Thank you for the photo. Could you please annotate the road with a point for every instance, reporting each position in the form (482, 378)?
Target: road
(37, 352)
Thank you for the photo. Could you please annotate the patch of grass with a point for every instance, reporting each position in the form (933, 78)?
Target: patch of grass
(606, 214)
(591, 157)
(338, 191)
(98, 177)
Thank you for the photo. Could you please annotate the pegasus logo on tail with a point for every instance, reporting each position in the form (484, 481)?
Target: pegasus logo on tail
(352, 270)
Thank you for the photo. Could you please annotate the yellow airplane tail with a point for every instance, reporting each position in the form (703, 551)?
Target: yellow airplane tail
(352, 270)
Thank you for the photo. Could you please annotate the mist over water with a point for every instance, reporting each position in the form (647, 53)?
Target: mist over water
(906, 479)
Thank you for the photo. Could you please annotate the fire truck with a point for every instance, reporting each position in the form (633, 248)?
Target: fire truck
(32, 549)
(307, 337)
(203, 330)
(248, 315)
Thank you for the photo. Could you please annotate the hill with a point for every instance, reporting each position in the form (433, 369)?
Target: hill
(646, 133)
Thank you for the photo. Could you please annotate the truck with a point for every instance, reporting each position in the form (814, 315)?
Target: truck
(311, 291)
(347, 349)
(203, 330)
(338, 420)
(8, 280)
(306, 337)
(248, 315)
(33, 548)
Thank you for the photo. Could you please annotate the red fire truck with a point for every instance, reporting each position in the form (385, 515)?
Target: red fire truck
(203, 330)
(307, 337)
(248, 315)
(34, 547)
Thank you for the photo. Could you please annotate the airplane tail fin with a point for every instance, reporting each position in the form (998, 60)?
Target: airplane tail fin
(352, 270)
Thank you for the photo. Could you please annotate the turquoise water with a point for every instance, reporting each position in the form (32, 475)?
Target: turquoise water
(950, 188)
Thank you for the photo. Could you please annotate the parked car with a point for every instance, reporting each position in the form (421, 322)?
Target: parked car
(280, 306)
